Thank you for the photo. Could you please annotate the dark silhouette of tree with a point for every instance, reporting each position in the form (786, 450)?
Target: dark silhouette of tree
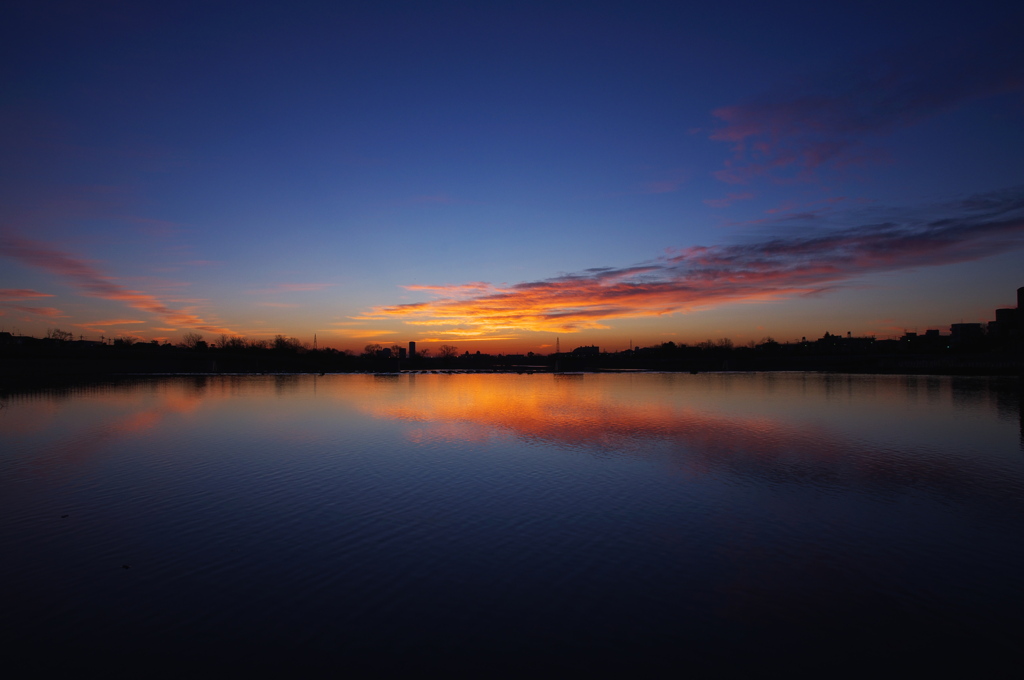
(283, 343)
(193, 340)
(372, 349)
(59, 335)
(232, 342)
(446, 352)
(721, 343)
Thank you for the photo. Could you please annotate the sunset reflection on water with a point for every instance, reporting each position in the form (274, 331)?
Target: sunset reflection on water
(583, 521)
(825, 427)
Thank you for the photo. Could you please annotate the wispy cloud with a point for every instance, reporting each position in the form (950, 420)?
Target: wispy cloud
(475, 338)
(461, 288)
(39, 311)
(10, 296)
(363, 334)
(708, 276)
(830, 120)
(19, 294)
(90, 281)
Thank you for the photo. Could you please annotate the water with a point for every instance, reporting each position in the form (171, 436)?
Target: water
(523, 524)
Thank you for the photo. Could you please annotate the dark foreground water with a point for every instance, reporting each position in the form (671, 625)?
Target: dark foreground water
(532, 525)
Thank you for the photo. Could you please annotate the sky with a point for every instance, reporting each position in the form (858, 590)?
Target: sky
(502, 176)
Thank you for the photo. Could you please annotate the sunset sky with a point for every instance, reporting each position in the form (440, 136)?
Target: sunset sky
(494, 175)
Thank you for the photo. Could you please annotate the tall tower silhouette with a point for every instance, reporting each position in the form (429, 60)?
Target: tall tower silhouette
(1020, 308)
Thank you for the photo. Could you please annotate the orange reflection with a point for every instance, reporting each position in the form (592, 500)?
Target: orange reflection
(584, 413)
(612, 415)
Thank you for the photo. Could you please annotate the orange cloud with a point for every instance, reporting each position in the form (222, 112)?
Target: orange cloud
(361, 334)
(477, 338)
(95, 284)
(708, 276)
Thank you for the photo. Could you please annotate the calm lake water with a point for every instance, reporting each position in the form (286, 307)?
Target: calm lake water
(531, 524)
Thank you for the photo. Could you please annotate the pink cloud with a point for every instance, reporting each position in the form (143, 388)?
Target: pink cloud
(93, 283)
(457, 289)
(833, 120)
(17, 294)
(39, 311)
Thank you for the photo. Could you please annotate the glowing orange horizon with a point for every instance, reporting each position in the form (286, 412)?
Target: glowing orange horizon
(704, 277)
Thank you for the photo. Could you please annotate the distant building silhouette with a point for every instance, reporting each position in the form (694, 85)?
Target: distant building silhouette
(412, 349)
(1005, 323)
(1020, 309)
(1009, 321)
(961, 333)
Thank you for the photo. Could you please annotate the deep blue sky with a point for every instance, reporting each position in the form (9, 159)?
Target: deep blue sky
(610, 171)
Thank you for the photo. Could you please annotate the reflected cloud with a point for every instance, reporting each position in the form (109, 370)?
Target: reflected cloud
(638, 422)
